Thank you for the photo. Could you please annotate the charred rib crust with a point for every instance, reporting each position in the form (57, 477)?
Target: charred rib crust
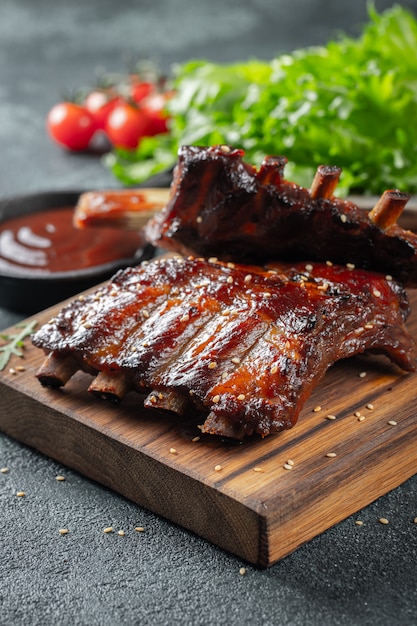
(221, 206)
(247, 345)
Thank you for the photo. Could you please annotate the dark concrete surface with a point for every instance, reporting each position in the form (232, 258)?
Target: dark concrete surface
(349, 575)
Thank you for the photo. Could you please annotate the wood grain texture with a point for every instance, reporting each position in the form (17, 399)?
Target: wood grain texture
(253, 506)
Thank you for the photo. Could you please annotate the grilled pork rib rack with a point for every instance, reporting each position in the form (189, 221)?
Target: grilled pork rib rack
(243, 345)
(220, 206)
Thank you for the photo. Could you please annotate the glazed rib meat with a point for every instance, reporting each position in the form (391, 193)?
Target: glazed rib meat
(243, 345)
(221, 206)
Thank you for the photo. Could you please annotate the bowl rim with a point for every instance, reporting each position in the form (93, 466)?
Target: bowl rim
(55, 199)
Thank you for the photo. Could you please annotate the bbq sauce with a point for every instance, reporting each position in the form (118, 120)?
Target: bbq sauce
(47, 242)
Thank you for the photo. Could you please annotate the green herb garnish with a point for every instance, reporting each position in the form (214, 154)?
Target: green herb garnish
(15, 343)
(351, 103)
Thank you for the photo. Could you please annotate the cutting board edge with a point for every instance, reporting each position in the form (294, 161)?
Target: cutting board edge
(173, 495)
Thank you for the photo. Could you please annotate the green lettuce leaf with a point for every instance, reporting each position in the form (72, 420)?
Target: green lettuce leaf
(351, 103)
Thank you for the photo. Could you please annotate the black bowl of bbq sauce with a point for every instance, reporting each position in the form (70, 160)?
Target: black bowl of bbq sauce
(44, 259)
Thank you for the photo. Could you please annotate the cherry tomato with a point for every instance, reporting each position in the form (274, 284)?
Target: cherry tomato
(141, 90)
(154, 106)
(71, 125)
(126, 125)
(158, 121)
(101, 104)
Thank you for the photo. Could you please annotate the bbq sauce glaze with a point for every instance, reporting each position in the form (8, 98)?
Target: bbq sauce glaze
(47, 242)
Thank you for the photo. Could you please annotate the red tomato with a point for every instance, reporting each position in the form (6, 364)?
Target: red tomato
(101, 104)
(141, 90)
(71, 125)
(126, 125)
(154, 108)
(158, 121)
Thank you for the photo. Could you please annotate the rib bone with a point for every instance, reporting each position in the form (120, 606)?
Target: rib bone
(325, 182)
(388, 209)
(111, 385)
(57, 369)
(167, 401)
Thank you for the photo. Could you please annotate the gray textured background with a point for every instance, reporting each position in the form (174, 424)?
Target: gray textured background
(349, 575)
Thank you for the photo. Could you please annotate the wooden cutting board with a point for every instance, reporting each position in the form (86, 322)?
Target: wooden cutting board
(261, 499)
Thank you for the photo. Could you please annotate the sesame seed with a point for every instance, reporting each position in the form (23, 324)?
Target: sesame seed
(242, 571)
(388, 277)
(274, 369)
(216, 399)
(145, 344)
(194, 439)
(12, 371)
(290, 462)
(383, 520)
(20, 494)
(81, 298)
(357, 414)
(199, 219)
(287, 466)
(247, 278)
(368, 326)
(145, 313)
(153, 399)
(257, 469)
(370, 406)
(415, 520)
(226, 312)
(63, 531)
(331, 455)
(323, 287)
(392, 422)
(108, 529)
(185, 318)
(212, 365)
(20, 368)
(229, 280)
(225, 149)
(317, 409)
(139, 529)
(173, 450)
(267, 294)
(309, 267)
(59, 478)
(377, 293)
(241, 396)
(4, 470)
(343, 218)
(218, 468)
(235, 360)
(213, 259)
(231, 265)
(121, 533)
(350, 266)
(361, 418)
(358, 522)
(362, 374)
(330, 417)
(329, 263)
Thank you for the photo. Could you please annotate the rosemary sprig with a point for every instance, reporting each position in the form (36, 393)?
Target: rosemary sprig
(15, 342)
